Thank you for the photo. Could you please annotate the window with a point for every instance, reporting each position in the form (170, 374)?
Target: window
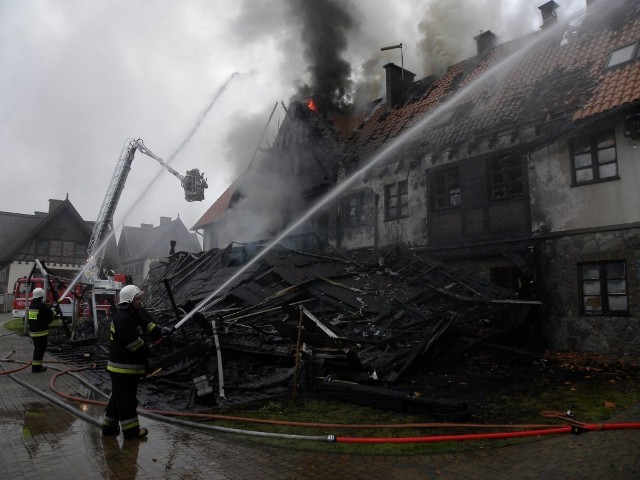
(80, 250)
(445, 188)
(396, 200)
(508, 277)
(604, 288)
(353, 206)
(622, 55)
(42, 247)
(594, 158)
(506, 178)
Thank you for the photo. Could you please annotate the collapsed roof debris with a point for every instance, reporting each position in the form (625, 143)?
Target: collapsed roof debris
(361, 325)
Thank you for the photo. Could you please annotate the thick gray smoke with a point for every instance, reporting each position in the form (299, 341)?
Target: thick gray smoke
(448, 28)
(343, 63)
(325, 26)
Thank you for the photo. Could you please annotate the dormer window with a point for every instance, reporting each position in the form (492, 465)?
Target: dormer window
(623, 55)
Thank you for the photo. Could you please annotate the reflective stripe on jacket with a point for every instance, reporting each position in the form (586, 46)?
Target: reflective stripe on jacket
(128, 351)
(39, 317)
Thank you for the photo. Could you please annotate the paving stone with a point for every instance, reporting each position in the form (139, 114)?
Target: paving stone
(39, 441)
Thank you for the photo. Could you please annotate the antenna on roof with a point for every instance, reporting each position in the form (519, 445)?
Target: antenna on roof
(401, 56)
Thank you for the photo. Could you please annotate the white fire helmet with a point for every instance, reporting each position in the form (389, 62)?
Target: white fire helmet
(38, 293)
(128, 293)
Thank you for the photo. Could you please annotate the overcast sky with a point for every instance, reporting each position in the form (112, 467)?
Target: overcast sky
(79, 77)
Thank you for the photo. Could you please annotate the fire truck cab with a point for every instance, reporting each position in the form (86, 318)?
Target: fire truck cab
(20, 293)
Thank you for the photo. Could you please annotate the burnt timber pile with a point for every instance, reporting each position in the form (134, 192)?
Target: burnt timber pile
(338, 325)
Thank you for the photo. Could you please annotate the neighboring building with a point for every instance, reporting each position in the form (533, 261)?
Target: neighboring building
(520, 164)
(139, 247)
(58, 237)
(213, 222)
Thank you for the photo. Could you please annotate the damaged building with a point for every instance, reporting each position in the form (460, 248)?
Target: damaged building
(488, 211)
(519, 164)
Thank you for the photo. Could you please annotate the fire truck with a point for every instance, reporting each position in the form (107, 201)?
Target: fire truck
(81, 307)
(86, 302)
(22, 285)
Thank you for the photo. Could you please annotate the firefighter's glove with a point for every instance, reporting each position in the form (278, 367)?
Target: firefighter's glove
(166, 331)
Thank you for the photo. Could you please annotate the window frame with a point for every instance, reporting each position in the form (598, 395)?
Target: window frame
(400, 208)
(593, 140)
(80, 250)
(510, 165)
(441, 191)
(358, 219)
(42, 247)
(603, 293)
(635, 53)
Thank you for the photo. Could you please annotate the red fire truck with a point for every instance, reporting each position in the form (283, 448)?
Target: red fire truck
(84, 308)
(58, 286)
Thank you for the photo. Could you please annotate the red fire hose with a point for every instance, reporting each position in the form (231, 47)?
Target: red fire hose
(532, 430)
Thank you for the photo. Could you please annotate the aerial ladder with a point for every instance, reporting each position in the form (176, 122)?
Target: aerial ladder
(193, 183)
(93, 293)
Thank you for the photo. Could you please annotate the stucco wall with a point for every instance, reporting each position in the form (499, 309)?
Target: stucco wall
(556, 205)
(405, 231)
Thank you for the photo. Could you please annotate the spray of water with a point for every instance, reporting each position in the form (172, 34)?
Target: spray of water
(204, 114)
(497, 71)
(172, 157)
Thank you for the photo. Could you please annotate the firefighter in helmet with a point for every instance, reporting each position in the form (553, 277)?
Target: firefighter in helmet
(131, 325)
(40, 317)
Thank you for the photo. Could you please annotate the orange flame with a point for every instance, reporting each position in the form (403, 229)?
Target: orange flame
(312, 105)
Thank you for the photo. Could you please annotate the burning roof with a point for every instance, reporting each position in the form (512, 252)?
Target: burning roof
(522, 92)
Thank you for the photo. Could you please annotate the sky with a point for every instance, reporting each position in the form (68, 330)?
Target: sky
(196, 80)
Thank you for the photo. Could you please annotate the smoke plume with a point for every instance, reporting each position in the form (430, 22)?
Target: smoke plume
(325, 25)
(448, 28)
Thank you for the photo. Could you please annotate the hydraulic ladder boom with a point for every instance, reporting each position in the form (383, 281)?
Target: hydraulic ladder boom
(193, 183)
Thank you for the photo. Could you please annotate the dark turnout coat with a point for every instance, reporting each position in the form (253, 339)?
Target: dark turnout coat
(128, 350)
(39, 317)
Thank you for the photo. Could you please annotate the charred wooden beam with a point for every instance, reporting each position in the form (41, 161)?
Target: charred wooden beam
(421, 350)
(387, 399)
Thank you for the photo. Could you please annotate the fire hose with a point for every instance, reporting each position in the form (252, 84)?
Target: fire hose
(533, 430)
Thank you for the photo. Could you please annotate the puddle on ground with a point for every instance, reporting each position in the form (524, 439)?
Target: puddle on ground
(64, 443)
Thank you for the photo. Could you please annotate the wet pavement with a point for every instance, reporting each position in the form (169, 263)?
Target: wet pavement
(40, 440)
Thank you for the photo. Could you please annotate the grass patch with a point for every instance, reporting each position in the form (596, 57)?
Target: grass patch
(17, 326)
(592, 398)
(311, 410)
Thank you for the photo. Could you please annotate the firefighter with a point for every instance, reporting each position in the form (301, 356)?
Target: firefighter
(127, 364)
(40, 317)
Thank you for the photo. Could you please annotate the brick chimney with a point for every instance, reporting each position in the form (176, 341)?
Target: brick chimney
(398, 82)
(165, 220)
(486, 42)
(53, 204)
(549, 14)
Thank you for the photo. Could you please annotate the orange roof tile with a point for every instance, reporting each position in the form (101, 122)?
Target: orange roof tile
(559, 76)
(217, 210)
